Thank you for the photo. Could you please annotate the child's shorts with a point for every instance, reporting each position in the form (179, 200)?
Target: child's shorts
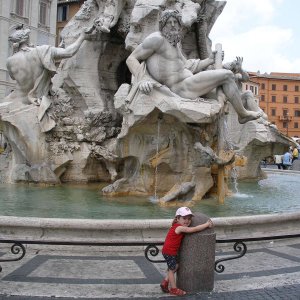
(171, 260)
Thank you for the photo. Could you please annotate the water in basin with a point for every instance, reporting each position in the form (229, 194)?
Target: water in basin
(276, 194)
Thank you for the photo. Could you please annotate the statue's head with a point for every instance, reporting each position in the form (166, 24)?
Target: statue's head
(166, 14)
(20, 36)
(170, 26)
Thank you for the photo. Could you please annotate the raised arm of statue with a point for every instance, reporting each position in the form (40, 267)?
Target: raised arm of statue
(72, 49)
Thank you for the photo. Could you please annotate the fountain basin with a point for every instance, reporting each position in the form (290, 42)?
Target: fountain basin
(276, 194)
(114, 231)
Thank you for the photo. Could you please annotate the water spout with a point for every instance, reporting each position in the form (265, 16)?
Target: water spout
(234, 177)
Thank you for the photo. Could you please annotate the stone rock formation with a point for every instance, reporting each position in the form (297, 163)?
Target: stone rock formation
(91, 121)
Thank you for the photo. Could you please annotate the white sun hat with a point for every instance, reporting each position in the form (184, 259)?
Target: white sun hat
(183, 211)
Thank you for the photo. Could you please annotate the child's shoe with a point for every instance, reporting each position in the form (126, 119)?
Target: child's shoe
(177, 292)
(165, 286)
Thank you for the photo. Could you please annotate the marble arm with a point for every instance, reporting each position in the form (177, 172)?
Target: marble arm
(133, 64)
(71, 50)
(198, 65)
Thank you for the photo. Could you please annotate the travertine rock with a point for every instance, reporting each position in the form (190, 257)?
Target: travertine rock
(92, 122)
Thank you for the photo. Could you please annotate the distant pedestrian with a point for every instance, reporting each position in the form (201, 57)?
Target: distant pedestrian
(180, 226)
(295, 154)
(287, 160)
(278, 161)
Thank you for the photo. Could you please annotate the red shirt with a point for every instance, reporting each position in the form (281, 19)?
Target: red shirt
(172, 241)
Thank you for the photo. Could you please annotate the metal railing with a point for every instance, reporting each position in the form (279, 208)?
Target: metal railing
(18, 249)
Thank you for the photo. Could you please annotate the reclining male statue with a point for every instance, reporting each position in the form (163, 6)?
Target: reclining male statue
(167, 65)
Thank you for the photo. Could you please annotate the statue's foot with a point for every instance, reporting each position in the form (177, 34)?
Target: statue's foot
(251, 115)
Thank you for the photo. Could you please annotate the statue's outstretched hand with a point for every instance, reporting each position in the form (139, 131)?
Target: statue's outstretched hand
(146, 86)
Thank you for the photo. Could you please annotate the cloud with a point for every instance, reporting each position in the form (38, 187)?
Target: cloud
(248, 29)
(243, 13)
(259, 46)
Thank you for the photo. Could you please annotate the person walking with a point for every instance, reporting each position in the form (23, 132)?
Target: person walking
(295, 154)
(180, 226)
(287, 160)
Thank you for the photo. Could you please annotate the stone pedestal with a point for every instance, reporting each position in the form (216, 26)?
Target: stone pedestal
(197, 259)
(296, 165)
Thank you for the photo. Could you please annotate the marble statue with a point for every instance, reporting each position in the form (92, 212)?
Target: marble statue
(241, 75)
(166, 64)
(33, 67)
(78, 115)
(110, 15)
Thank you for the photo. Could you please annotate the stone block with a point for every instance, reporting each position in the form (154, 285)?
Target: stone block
(296, 165)
(197, 259)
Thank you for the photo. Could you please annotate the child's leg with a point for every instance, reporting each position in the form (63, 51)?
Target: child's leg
(171, 276)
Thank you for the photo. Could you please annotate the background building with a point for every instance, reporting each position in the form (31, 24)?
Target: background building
(279, 95)
(66, 9)
(253, 87)
(38, 15)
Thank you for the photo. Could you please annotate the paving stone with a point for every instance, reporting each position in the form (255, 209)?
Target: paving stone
(263, 273)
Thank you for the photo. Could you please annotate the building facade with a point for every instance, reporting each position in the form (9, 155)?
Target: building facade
(279, 95)
(253, 87)
(66, 9)
(37, 15)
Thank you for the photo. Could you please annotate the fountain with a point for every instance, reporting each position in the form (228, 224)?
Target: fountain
(88, 121)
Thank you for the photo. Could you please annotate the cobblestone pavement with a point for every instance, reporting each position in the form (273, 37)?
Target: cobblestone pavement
(267, 271)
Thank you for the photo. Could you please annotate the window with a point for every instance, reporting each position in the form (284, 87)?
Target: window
(297, 113)
(262, 98)
(296, 125)
(285, 124)
(273, 111)
(246, 86)
(285, 87)
(296, 99)
(263, 86)
(273, 98)
(251, 88)
(296, 88)
(44, 13)
(285, 99)
(273, 87)
(255, 90)
(20, 8)
(285, 112)
(62, 13)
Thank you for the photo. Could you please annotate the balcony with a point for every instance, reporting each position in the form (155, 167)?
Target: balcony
(286, 118)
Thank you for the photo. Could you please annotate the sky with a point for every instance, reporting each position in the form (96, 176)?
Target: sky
(266, 33)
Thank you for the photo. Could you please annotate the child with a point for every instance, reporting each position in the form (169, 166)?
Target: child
(180, 225)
